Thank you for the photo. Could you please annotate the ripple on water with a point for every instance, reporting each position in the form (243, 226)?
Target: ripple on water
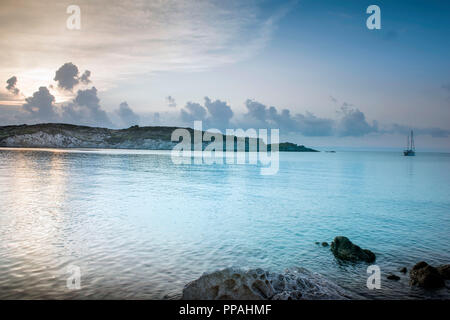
(140, 227)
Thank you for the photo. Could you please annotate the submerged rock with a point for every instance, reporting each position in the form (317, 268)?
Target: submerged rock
(393, 277)
(403, 270)
(426, 276)
(444, 271)
(324, 244)
(344, 249)
(237, 284)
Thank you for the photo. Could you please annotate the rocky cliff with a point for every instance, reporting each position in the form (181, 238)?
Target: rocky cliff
(54, 135)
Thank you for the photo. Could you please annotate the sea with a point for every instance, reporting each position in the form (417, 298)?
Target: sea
(132, 224)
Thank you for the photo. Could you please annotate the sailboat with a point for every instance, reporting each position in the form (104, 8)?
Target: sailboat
(410, 148)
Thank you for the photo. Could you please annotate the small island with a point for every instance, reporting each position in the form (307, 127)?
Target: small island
(291, 147)
(59, 135)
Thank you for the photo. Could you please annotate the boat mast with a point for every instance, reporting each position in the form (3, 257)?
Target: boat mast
(407, 142)
(412, 140)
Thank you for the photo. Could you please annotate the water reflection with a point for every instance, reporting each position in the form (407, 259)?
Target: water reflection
(35, 195)
(140, 227)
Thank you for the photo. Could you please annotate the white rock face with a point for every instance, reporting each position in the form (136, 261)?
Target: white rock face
(257, 284)
(45, 140)
(42, 139)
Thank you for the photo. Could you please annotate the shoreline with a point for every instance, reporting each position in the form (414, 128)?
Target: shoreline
(297, 283)
(60, 135)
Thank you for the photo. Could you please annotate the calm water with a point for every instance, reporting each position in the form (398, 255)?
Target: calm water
(140, 227)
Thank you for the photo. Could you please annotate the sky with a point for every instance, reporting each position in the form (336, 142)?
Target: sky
(310, 68)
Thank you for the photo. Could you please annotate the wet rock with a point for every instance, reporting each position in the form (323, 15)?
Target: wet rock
(403, 270)
(286, 295)
(230, 284)
(324, 244)
(426, 276)
(393, 277)
(317, 242)
(344, 249)
(238, 284)
(444, 271)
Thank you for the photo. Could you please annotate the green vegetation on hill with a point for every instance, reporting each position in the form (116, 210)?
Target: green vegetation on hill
(292, 147)
(57, 135)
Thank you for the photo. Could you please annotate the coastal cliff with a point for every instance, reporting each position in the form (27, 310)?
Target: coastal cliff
(56, 135)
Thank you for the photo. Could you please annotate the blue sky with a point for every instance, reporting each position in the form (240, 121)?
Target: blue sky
(342, 84)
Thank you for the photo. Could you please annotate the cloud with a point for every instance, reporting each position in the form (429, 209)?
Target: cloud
(311, 126)
(353, 123)
(404, 130)
(85, 109)
(215, 114)
(85, 77)
(261, 116)
(220, 113)
(127, 115)
(193, 112)
(11, 87)
(257, 112)
(135, 37)
(10, 115)
(67, 76)
(434, 132)
(171, 102)
(333, 99)
(41, 106)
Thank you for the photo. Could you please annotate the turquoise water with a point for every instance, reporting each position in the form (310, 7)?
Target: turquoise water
(139, 226)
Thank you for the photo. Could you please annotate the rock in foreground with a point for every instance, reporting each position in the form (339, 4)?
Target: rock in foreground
(344, 249)
(426, 276)
(444, 271)
(237, 284)
(393, 277)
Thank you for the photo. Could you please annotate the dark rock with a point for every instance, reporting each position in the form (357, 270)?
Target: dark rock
(324, 244)
(444, 271)
(317, 242)
(403, 270)
(393, 277)
(290, 147)
(258, 284)
(344, 249)
(426, 276)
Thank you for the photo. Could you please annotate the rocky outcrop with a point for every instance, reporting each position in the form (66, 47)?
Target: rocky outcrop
(63, 139)
(344, 249)
(59, 135)
(426, 276)
(42, 139)
(393, 277)
(290, 147)
(257, 284)
(444, 271)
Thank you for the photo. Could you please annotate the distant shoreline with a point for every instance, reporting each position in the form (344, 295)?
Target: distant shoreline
(68, 136)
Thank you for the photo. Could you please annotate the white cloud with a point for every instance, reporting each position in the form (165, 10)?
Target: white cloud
(121, 38)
